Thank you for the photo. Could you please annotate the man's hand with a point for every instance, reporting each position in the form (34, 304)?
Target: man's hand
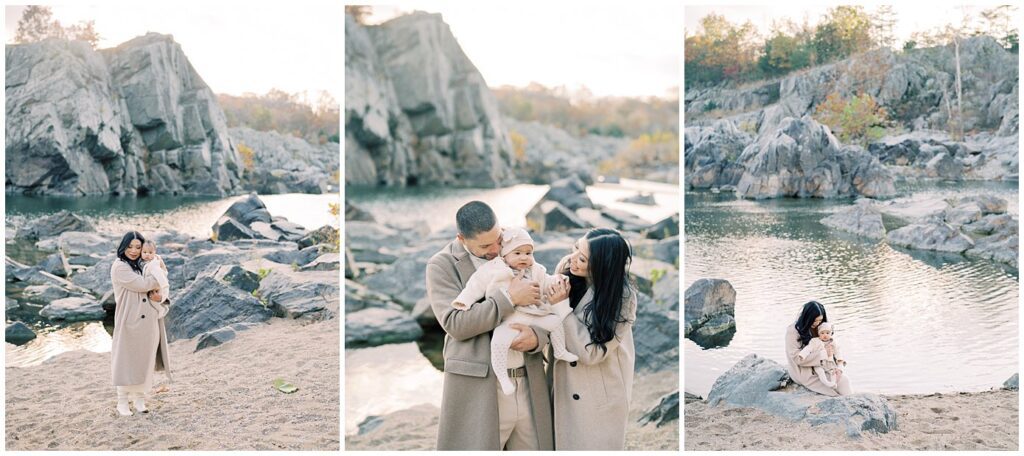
(522, 292)
(155, 296)
(526, 340)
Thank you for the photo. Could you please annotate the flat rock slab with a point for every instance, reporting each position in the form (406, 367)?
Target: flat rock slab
(862, 219)
(301, 294)
(74, 309)
(937, 236)
(207, 304)
(758, 382)
(377, 326)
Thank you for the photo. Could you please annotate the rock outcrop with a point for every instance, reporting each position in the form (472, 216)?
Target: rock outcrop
(762, 383)
(710, 313)
(286, 164)
(417, 111)
(712, 154)
(129, 120)
(862, 219)
(802, 158)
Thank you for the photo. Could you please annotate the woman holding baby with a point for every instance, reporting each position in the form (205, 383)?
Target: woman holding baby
(140, 343)
(814, 360)
(591, 395)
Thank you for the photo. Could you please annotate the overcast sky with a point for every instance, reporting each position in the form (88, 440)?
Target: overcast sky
(613, 48)
(234, 47)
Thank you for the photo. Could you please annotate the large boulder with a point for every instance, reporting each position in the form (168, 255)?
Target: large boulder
(208, 304)
(570, 192)
(410, 79)
(377, 326)
(937, 236)
(802, 159)
(54, 225)
(18, 333)
(761, 383)
(710, 312)
(97, 277)
(73, 309)
(301, 294)
(1012, 383)
(553, 216)
(862, 219)
(221, 336)
(286, 164)
(664, 412)
(712, 154)
(665, 228)
(656, 336)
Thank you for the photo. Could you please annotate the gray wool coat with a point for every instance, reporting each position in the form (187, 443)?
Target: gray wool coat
(591, 396)
(469, 404)
(140, 337)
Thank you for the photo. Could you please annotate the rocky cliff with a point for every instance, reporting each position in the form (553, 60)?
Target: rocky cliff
(284, 164)
(416, 109)
(134, 119)
(916, 88)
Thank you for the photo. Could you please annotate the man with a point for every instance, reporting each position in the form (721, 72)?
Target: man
(475, 415)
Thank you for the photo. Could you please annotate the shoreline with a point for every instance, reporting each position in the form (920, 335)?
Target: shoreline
(221, 397)
(986, 420)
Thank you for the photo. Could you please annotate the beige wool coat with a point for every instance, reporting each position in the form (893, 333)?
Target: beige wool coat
(802, 370)
(469, 403)
(591, 396)
(140, 337)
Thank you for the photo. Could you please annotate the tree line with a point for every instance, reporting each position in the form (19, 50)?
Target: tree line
(723, 51)
(37, 24)
(315, 119)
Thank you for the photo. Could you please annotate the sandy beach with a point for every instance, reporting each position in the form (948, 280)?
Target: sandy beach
(415, 428)
(957, 421)
(221, 397)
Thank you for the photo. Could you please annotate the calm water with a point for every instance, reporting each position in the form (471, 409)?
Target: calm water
(388, 378)
(908, 322)
(191, 215)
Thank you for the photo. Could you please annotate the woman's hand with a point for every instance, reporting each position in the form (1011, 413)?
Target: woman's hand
(155, 296)
(558, 290)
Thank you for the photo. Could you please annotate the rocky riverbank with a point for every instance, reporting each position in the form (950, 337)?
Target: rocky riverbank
(755, 405)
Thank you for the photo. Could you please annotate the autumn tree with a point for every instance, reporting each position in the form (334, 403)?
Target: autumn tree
(846, 30)
(37, 24)
(789, 48)
(883, 22)
(859, 119)
(998, 22)
(359, 12)
(720, 50)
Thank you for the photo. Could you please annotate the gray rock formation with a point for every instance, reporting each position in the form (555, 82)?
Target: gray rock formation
(54, 225)
(759, 382)
(1012, 383)
(862, 219)
(286, 164)
(309, 295)
(550, 153)
(709, 312)
(656, 336)
(132, 119)
(18, 333)
(712, 154)
(377, 326)
(802, 158)
(940, 237)
(248, 218)
(73, 309)
(408, 78)
(207, 304)
(664, 412)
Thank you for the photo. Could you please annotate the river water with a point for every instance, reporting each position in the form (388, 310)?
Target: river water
(387, 378)
(908, 322)
(191, 215)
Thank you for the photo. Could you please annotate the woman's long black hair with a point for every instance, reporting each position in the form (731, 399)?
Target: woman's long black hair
(803, 324)
(609, 261)
(127, 241)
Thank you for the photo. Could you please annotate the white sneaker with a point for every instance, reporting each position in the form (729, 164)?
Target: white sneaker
(122, 408)
(140, 406)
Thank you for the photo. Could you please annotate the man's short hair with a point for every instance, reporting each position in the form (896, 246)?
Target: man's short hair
(473, 218)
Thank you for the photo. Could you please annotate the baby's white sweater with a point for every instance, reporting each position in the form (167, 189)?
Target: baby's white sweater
(493, 271)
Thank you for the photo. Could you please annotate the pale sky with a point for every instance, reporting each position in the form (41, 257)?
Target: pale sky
(615, 48)
(236, 47)
(910, 16)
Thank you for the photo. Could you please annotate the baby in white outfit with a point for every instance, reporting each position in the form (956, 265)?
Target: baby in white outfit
(828, 371)
(495, 276)
(154, 266)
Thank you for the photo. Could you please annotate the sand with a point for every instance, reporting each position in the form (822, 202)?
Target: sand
(415, 428)
(957, 421)
(221, 397)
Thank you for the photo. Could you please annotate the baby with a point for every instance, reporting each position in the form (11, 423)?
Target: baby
(155, 267)
(495, 276)
(828, 372)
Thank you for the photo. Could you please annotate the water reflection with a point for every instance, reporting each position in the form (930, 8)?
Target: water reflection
(385, 379)
(909, 321)
(91, 336)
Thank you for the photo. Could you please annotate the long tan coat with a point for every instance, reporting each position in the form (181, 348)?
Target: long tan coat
(801, 370)
(591, 396)
(140, 337)
(469, 404)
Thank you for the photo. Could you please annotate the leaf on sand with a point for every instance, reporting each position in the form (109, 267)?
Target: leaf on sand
(281, 385)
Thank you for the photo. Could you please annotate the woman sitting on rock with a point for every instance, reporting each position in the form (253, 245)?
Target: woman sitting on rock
(139, 345)
(801, 368)
(591, 395)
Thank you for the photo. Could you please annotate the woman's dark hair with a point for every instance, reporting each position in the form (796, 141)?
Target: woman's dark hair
(127, 241)
(811, 312)
(609, 272)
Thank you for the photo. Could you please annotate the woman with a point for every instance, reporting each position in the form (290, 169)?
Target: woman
(591, 396)
(798, 335)
(140, 343)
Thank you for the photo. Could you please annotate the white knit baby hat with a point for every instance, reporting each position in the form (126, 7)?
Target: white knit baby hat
(512, 238)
